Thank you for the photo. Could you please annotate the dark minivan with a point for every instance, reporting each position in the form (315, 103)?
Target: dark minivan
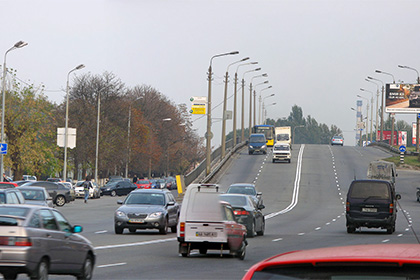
(257, 143)
(372, 204)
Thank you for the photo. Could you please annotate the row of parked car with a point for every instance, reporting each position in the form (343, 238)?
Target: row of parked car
(123, 186)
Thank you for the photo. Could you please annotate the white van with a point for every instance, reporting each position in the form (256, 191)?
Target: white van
(281, 151)
(206, 223)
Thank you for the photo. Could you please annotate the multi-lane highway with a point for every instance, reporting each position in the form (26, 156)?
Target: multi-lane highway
(304, 202)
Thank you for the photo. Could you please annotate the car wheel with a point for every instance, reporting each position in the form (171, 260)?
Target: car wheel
(203, 251)
(261, 232)
(389, 230)
(164, 228)
(113, 193)
(132, 230)
(10, 275)
(87, 269)
(351, 229)
(241, 254)
(60, 200)
(274, 160)
(251, 231)
(184, 255)
(289, 160)
(173, 229)
(118, 230)
(249, 152)
(41, 272)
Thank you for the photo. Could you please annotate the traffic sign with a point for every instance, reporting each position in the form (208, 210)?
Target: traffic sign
(3, 148)
(418, 115)
(198, 105)
(402, 149)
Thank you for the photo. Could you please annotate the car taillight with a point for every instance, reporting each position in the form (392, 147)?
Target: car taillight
(391, 208)
(182, 229)
(15, 241)
(348, 206)
(238, 212)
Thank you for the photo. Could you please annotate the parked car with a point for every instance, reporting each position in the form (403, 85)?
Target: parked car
(72, 190)
(6, 185)
(11, 196)
(147, 209)
(248, 189)
(59, 193)
(26, 250)
(207, 223)
(94, 192)
(29, 178)
(153, 184)
(54, 180)
(119, 188)
(246, 212)
(19, 183)
(337, 140)
(371, 203)
(257, 143)
(36, 196)
(144, 184)
(171, 183)
(379, 261)
(161, 183)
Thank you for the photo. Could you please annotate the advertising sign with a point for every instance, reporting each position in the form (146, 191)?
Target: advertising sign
(402, 138)
(198, 105)
(387, 136)
(414, 134)
(402, 98)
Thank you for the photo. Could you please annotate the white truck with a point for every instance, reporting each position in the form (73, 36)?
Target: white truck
(283, 135)
(281, 151)
(206, 223)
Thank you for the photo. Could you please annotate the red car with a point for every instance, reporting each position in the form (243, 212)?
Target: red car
(143, 184)
(5, 185)
(389, 261)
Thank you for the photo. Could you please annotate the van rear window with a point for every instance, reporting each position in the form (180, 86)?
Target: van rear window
(370, 189)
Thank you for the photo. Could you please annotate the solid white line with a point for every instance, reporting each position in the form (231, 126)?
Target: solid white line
(295, 196)
(278, 239)
(110, 265)
(136, 244)
(102, 231)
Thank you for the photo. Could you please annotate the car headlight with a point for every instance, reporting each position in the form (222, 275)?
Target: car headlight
(120, 214)
(264, 146)
(156, 215)
(251, 147)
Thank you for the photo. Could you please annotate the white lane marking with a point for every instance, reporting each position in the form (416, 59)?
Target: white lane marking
(318, 228)
(302, 233)
(295, 197)
(101, 231)
(111, 265)
(386, 240)
(399, 235)
(136, 244)
(278, 239)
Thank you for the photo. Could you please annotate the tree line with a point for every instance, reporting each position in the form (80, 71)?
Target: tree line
(141, 130)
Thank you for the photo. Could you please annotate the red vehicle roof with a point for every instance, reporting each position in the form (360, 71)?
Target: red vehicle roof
(392, 254)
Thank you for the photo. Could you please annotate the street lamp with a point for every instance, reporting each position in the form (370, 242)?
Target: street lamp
(259, 95)
(382, 107)
(243, 105)
(208, 133)
(358, 130)
(262, 120)
(250, 95)
(367, 115)
(371, 115)
(67, 122)
(417, 118)
(377, 105)
(255, 87)
(97, 132)
(265, 111)
(392, 114)
(167, 149)
(18, 45)
(225, 104)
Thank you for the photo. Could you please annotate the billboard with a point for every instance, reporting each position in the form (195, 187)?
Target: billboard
(414, 134)
(387, 136)
(402, 98)
(402, 138)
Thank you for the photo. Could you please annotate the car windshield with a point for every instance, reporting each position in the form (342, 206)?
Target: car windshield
(281, 148)
(142, 182)
(242, 190)
(257, 139)
(33, 194)
(234, 200)
(146, 198)
(370, 189)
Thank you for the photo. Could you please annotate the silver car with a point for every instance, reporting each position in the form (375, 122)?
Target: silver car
(36, 196)
(147, 209)
(38, 241)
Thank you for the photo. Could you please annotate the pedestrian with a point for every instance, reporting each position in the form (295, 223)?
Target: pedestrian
(87, 185)
(5, 178)
(135, 179)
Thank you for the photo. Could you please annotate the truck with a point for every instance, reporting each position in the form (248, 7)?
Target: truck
(207, 223)
(284, 135)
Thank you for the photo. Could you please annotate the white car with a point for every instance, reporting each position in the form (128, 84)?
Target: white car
(93, 192)
(281, 151)
(337, 140)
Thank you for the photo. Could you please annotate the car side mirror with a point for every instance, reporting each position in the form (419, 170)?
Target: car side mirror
(119, 202)
(171, 203)
(77, 229)
(259, 193)
(261, 206)
(49, 198)
(398, 196)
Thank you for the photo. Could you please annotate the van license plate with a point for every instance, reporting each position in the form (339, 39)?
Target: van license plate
(370, 210)
(205, 234)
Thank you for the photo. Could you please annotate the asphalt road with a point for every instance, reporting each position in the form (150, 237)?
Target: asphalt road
(304, 202)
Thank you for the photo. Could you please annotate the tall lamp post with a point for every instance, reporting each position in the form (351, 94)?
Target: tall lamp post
(392, 114)
(265, 111)
(377, 105)
(208, 133)
(18, 45)
(262, 121)
(67, 121)
(259, 95)
(417, 118)
(259, 100)
(371, 113)
(367, 115)
(243, 104)
(250, 96)
(225, 104)
(382, 107)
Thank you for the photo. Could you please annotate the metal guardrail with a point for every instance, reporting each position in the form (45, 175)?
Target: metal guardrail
(392, 149)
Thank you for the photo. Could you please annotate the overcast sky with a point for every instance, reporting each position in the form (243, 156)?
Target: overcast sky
(316, 53)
